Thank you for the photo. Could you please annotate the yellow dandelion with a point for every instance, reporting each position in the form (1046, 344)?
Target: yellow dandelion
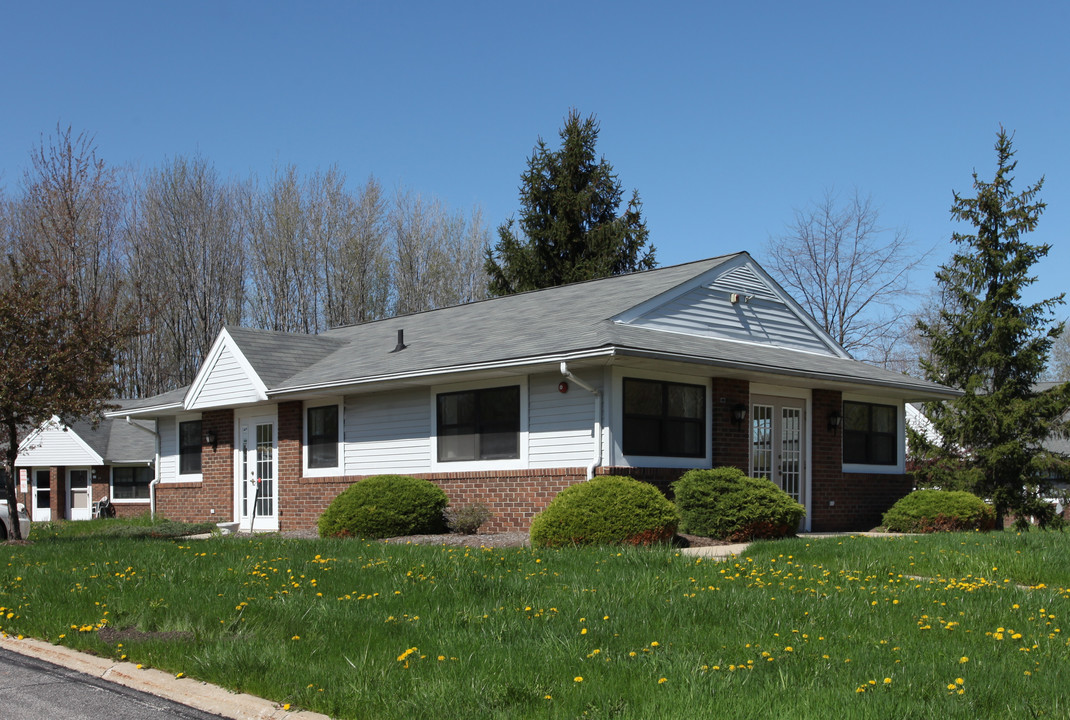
(963, 660)
(296, 637)
(578, 678)
(959, 681)
(887, 681)
(583, 631)
(662, 680)
(179, 675)
(654, 644)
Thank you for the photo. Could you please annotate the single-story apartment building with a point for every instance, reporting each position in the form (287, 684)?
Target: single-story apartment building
(510, 400)
(66, 468)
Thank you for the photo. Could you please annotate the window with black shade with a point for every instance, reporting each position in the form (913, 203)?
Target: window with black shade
(322, 432)
(479, 424)
(189, 447)
(131, 483)
(869, 434)
(664, 419)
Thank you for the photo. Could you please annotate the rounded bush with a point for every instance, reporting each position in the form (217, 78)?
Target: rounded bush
(939, 511)
(385, 506)
(724, 503)
(607, 510)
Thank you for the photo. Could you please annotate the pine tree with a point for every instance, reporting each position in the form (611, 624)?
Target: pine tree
(569, 226)
(994, 346)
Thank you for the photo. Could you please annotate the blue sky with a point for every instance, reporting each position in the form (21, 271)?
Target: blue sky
(725, 116)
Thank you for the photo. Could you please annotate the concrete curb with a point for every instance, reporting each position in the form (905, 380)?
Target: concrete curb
(187, 691)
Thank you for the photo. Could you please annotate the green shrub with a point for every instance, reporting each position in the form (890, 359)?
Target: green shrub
(724, 503)
(939, 511)
(467, 519)
(608, 510)
(385, 506)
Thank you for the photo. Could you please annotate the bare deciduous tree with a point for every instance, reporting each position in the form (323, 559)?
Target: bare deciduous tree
(69, 217)
(187, 261)
(850, 273)
(356, 263)
(438, 257)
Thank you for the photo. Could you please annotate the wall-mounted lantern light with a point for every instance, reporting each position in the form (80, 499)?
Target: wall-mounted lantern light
(210, 439)
(739, 413)
(835, 420)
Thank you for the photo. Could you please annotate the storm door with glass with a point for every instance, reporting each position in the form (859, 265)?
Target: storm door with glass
(78, 502)
(256, 477)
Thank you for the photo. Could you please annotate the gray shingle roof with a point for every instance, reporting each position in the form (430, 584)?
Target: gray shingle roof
(117, 441)
(566, 320)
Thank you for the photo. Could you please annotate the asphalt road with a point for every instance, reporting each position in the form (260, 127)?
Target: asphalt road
(31, 689)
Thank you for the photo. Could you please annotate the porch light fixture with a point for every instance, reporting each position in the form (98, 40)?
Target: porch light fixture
(210, 439)
(835, 420)
(739, 413)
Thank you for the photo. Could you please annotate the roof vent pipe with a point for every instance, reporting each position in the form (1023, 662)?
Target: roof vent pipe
(401, 342)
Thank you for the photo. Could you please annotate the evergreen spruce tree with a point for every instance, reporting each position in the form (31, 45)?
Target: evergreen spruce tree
(994, 346)
(569, 229)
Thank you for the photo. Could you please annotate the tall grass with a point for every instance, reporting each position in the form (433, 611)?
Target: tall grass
(851, 627)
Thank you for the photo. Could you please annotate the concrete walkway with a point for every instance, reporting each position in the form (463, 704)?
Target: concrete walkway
(724, 552)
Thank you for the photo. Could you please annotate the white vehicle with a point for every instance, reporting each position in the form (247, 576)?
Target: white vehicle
(7, 531)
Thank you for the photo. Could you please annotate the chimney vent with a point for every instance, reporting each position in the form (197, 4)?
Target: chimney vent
(401, 342)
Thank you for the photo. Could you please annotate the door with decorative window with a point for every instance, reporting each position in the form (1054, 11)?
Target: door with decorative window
(778, 443)
(256, 491)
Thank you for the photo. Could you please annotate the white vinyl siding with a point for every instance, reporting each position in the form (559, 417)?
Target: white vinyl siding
(560, 424)
(707, 311)
(227, 383)
(55, 446)
(167, 429)
(387, 433)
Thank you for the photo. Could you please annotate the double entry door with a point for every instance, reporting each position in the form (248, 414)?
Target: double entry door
(256, 490)
(778, 443)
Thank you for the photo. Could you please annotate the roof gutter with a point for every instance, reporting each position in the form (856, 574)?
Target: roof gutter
(596, 435)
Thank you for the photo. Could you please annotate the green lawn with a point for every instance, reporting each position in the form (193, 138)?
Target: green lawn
(964, 625)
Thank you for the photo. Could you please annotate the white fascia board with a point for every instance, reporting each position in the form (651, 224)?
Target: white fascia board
(162, 409)
(223, 341)
(555, 359)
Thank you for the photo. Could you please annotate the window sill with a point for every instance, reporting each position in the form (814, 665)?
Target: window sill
(860, 469)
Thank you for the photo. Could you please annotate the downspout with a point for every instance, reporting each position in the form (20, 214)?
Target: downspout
(597, 459)
(155, 462)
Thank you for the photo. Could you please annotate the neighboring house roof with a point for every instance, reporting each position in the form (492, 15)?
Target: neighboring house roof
(111, 441)
(724, 311)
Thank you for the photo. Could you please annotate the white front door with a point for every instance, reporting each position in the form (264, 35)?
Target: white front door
(42, 496)
(79, 505)
(256, 490)
(778, 444)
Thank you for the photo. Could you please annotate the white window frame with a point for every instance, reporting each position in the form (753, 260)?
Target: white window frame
(188, 477)
(339, 469)
(900, 431)
(518, 463)
(111, 485)
(658, 461)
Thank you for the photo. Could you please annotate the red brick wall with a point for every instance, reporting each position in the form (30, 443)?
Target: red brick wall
(195, 501)
(731, 442)
(858, 499)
